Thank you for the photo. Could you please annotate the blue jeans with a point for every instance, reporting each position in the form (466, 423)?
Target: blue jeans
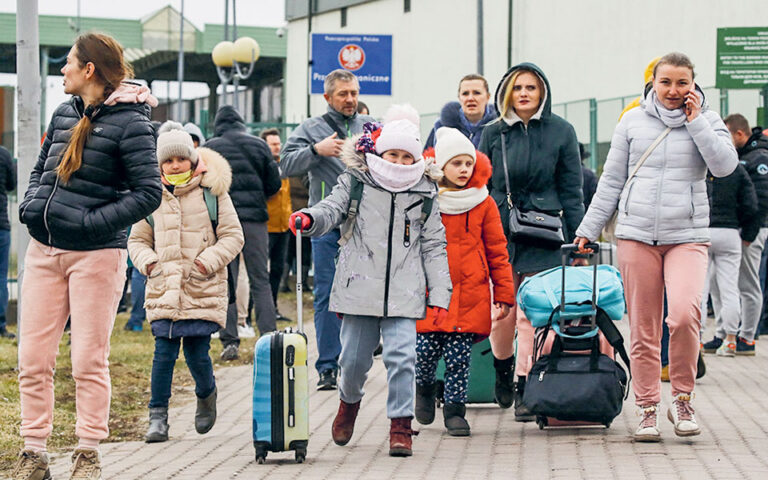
(138, 283)
(5, 246)
(198, 361)
(327, 324)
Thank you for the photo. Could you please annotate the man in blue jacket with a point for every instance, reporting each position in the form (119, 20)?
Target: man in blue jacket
(314, 148)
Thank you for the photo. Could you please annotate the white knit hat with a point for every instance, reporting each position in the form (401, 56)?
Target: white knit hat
(450, 143)
(400, 131)
(175, 143)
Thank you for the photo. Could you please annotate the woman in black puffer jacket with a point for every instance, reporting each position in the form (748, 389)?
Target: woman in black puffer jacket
(96, 175)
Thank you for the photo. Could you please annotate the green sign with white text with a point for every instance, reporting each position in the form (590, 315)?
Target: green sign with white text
(742, 57)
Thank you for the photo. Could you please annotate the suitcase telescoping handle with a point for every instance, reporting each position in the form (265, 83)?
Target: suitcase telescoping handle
(299, 273)
(566, 251)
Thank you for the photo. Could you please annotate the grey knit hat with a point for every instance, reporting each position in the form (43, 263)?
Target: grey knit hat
(175, 143)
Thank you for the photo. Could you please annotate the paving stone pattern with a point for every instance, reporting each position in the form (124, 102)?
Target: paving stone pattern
(730, 404)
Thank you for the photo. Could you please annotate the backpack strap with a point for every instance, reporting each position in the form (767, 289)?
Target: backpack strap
(340, 134)
(353, 207)
(426, 209)
(612, 334)
(212, 204)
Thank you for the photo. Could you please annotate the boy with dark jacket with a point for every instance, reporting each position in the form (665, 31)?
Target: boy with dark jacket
(753, 154)
(732, 206)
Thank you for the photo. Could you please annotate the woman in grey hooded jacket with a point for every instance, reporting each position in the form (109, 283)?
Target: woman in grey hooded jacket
(663, 230)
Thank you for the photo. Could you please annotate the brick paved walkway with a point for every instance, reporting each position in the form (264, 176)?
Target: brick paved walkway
(731, 408)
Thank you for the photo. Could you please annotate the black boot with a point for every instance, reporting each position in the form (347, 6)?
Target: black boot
(453, 414)
(205, 416)
(158, 425)
(504, 381)
(701, 368)
(522, 413)
(425, 403)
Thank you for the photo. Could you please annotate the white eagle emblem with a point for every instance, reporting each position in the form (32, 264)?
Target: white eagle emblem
(351, 57)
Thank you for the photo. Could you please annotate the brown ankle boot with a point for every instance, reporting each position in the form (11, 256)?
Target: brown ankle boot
(400, 437)
(344, 423)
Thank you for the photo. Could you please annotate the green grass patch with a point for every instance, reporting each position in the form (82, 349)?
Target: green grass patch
(130, 368)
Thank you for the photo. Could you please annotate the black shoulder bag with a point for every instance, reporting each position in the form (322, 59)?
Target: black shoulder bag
(530, 227)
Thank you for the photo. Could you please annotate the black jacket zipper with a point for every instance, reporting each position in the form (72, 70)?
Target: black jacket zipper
(389, 254)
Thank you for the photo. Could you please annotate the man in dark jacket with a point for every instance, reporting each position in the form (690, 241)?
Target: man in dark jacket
(470, 114)
(753, 154)
(255, 178)
(7, 184)
(314, 148)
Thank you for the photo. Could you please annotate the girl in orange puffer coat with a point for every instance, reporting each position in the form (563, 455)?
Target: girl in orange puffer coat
(477, 254)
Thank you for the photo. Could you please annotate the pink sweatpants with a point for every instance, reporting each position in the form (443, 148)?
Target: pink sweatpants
(646, 271)
(502, 336)
(87, 286)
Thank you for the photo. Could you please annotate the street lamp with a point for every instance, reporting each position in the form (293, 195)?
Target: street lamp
(227, 56)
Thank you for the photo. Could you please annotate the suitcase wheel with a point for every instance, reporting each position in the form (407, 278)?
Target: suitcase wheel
(607, 424)
(301, 455)
(261, 455)
(541, 421)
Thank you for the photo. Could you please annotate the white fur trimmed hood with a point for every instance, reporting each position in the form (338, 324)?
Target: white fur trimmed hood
(218, 174)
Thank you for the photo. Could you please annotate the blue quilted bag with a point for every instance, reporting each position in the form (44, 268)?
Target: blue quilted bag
(540, 295)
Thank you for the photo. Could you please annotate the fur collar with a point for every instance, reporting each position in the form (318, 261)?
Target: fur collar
(218, 173)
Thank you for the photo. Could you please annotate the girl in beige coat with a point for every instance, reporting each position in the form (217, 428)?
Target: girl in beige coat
(183, 249)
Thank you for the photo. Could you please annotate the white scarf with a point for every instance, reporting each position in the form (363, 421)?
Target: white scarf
(671, 118)
(392, 176)
(454, 202)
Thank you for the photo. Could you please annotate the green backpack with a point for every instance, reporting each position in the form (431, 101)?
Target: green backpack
(211, 203)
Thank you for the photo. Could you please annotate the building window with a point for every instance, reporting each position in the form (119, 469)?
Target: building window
(344, 17)
(406, 6)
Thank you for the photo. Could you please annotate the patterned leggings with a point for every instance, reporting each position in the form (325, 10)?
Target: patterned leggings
(455, 348)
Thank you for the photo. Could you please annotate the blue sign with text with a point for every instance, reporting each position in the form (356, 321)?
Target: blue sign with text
(369, 57)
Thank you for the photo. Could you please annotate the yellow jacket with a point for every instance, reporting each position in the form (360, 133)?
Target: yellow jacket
(279, 208)
(647, 77)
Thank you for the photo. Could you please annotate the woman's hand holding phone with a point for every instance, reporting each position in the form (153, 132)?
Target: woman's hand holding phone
(692, 104)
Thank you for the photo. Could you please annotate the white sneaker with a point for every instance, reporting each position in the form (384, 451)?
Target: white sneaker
(681, 415)
(648, 430)
(245, 331)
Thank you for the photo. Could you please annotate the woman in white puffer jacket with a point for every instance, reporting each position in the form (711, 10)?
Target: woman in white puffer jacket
(663, 230)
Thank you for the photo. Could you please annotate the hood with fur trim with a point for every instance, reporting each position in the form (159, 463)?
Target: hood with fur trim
(217, 174)
(480, 175)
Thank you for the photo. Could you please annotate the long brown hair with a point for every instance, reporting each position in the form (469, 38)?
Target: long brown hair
(106, 54)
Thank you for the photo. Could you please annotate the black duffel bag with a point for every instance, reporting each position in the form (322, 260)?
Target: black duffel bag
(576, 387)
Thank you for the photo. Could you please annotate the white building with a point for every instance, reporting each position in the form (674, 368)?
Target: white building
(588, 48)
